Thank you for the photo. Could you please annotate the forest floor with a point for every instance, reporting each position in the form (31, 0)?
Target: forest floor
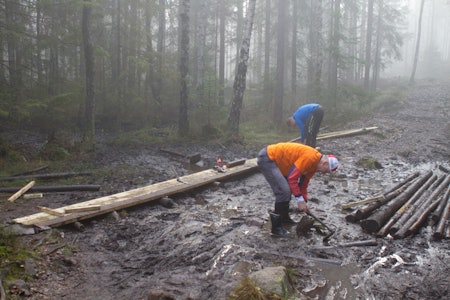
(203, 246)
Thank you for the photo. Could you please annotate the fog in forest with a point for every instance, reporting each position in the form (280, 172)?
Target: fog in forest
(434, 50)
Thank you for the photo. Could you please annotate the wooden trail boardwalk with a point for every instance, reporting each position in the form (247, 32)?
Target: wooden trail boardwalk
(132, 197)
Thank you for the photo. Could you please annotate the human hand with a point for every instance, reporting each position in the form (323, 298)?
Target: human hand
(302, 205)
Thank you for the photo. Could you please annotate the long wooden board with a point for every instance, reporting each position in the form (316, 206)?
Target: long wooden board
(134, 197)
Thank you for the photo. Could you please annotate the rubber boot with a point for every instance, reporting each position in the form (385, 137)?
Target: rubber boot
(282, 208)
(277, 228)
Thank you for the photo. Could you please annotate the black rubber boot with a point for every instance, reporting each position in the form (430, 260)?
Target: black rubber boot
(282, 208)
(277, 228)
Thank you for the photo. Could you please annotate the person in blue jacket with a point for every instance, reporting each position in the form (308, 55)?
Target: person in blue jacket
(308, 118)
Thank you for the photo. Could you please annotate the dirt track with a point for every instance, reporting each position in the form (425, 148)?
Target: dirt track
(200, 248)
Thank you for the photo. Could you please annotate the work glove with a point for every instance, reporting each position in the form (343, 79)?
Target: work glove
(302, 206)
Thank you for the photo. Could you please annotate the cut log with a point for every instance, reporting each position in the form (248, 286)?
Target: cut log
(380, 217)
(364, 212)
(365, 201)
(46, 176)
(439, 232)
(430, 202)
(60, 188)
(436, 215)
(235, 163)
(50, 211)
(407, 209)
(21, 191)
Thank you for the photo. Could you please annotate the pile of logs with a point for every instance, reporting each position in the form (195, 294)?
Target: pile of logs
(400, 212)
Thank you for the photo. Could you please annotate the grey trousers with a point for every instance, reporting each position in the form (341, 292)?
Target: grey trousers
(276, 180)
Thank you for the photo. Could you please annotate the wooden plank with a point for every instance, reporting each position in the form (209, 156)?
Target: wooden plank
(33, 196)
(50, 211)
(21, 191)
(82, 209)
(137, 196)
(341, 133)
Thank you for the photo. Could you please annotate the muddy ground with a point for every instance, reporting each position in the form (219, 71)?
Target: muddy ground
(213, 236)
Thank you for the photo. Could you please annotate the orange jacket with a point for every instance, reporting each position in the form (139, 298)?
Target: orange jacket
(294, 161)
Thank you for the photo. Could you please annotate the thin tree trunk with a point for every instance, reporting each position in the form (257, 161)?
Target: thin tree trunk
(183, 121)
(416, 53)
(241, 72)
(368, 56)
(222, 52)
(89, 130)
(279, 89)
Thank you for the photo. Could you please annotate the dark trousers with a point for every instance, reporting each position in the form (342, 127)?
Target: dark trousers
(312, 126)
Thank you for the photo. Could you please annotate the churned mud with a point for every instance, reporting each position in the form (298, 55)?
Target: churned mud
(213, 236)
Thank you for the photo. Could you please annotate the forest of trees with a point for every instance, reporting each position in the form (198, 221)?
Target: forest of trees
(118, 65)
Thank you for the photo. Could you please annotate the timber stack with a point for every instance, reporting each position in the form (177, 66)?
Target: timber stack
(419, 200)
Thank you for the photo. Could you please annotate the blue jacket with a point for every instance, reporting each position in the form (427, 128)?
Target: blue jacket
(301, 116)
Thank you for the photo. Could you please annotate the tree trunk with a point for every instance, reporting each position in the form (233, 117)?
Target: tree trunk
(183, 121)
(334, 55)
(89, 128)
(279, 89)
(160, 50)
(368, 57)
(315, 49)
(293, 102)
(416, 54)
(241, 72)
(222, 52)
(267, 38)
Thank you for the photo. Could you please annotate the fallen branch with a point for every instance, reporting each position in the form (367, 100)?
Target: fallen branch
(21, 191)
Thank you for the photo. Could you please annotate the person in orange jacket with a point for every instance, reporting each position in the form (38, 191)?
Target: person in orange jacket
(288, 168)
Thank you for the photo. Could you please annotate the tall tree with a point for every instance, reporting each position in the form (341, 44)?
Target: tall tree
(241, 72)
(368, 56)
(334, 49)
(279, 89)
(293, 97)
(183, 118)
(160, 48)
(267, 38)
(315, 59)
(416, 54)
(221, 51)
(89, 128)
